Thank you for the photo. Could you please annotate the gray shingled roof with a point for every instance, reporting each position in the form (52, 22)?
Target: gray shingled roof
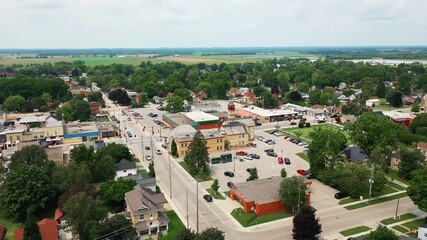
(125, 164)
(354, 154)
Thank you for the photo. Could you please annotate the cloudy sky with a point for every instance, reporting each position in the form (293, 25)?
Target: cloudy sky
(210, 23)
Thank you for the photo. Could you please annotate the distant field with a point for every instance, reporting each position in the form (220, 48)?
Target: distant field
(8, 60)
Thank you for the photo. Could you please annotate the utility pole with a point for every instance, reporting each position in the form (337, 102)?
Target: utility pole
(170, 177)
(397, 208)
(142, 145)
(186, 196)
(235, 156)
(152, 136)
(197, 207)
(371, 181)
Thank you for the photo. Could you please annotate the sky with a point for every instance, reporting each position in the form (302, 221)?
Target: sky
(210, 23)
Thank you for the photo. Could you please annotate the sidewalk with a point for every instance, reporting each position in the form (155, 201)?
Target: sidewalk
(366, 200)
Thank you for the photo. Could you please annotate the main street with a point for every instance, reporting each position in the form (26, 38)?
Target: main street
(171, 174)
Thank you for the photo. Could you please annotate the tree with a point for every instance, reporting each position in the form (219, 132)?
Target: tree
(14, 103)
(143, 98)
(382, 233)
(116, 151)
(174, 104)
(381, 90)
(420, 121)
(292, 191)
(73, 175)
(410, 161)
(89, 190)
(198, 155)
(417, 189)
(183, 93)
(306, 225)
(185, 234)
(283, 173)
(27, 188)
(110, 227)
(82, 214)
(29, 155)
(95, 96)
(394, 97)
(295, 96)
(31, 228)
(415, 108)
(211, 233)
(324, 148)
(174, 149)
(38, 103)
(370, 131)
(151, 171)
(215, 185)
(303, 87)
(81, 110)
(65, 112)
(253, 174)
(120, 96)
(103, 169)
(47, 97)
(113, 192)
(378, 159)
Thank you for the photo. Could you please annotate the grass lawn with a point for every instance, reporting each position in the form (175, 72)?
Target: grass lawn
(388, 107)
(199, 177)
(306, 131)
(376, 201)
(215, 194)
(175, 225)
(348, 200)
(400, 229)
(355, 230)
(142, 171)
(395, 175)
(386, 190)
(415, 224)
(227, 193)
(10, 225)
(303, 156)
(251, 219)
(400, 218)
(395, 185)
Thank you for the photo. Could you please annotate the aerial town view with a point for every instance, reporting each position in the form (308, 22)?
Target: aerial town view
(213, 120)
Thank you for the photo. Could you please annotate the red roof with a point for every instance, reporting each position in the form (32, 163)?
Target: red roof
(169, 94)
(422, 145)
(318, 106)
(243, 113)
(18, 234)
(410, 100)
(58, 214)
(48, 229)
(250, 94)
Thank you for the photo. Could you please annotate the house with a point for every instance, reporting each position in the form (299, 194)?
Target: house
(342, 97)
(234, 92)
(409, 100)
(342, 86)
(48, 230)
(262, 196)
(399, 117)
(80, 91)
(319, 107)
(422, 232)
(95, 108)
(422, 146)
(143, 180)
(157, 99)
(373, 102)
(388, 84)
(146, 211)
(394, 160)
(3, 231)
(352, 97)
(243, 90)
(305, 96)
(354, 154)
(125, 168)
(201, 95)
(249, 97)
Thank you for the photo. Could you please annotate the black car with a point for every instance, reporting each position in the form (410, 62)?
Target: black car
(147, 147)
(154, 115)
(340, 195)
(253, 155)
(297, 141)
(273, 154)
(208, 198)
(230, 184)
(258, 124)
(269, 150)
(252, 145)
(229, 174)
(310, 176)
(150, 114)
(117, 210)
(293, 123)
(287, 161)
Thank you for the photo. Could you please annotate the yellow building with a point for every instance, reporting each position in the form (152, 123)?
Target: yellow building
(236, 134)
(146, 211)
(394, 160)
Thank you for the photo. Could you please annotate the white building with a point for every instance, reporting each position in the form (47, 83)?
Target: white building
(422, 232)
(125, 168)
(373, 102)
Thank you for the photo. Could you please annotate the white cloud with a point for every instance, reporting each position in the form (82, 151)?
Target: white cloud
(203, 23)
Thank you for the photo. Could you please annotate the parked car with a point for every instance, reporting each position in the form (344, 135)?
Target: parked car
(148, 157)
(230, 184)
(310, 176)
(154, 115)
(340, 195)
(248, 157)
(290, 139)
(297, 141)
(260, 138)
(240, 153)
(273, 154)
(258, 124)
(140, 117)
(150, 114)
(302, 143)
(253, 155)
(280, 160)
(287, 161)
(252, 145)
(271, 142)
(208, 198)
(158, 152)
(286, 137)
(129, 134)
(301, 172)
(273, 132)
(147, 148)
(278, 134)
(117, 210)
(229, 173)
(269, 150)
(293, 123)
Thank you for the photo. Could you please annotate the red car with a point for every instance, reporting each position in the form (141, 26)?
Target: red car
(301, 172)
(240, 153)
(280, 160)
(290, 139)
(286, 137)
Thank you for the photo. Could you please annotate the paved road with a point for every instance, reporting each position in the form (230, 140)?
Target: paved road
(333, 219)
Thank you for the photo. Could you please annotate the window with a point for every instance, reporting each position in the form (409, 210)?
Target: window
(41, 136)
(141, 217)
(220, 140)
(35, 136)
(125, 170)
(217, 148)
(18, 138)
(182, 144)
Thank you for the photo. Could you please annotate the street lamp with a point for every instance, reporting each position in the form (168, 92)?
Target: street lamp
(371, 181)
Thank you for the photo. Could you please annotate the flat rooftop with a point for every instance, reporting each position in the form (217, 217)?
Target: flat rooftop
(260, 191)
(199, 116)
(268, 112)
(178, 118)
(107, 126)
(71, 128)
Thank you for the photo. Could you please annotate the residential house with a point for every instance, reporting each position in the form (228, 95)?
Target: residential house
(249, 97)
(305, 96)
(125, 168)
(201, 95)
(422, 232)
(80, 91)
(342, 86)
(243, 90)
(234, 92)
(409, 100)
(355, 155)
(388, 84)
(373, 102)
(95, 108)
(352, 97)
(143, 180)
(145, 209)
(394, 160)
(422, 146)
(343, 98)
(157, 99)
(48, 230)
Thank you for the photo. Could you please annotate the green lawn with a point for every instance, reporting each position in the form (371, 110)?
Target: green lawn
(142, 171)
(355, 230)
(395, 185)
(199, 177)
(400, 218)
(365, 194)
(303, 156)
(251, 219)
(215, 194)
(175, 225)
(376, 201)
(400, 229)
(10, 225)
(348, 200)
(388, 107)
(306, 131)
(414, 224)
(227, 193)
(395, 175)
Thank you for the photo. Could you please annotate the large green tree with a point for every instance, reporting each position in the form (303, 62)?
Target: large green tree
(253, 174)
(292, 192)
(71, 176)
(29, 155)
(210, 234)
(306, 225)
(417, 190)
(198, 155)
(174, 149)
(31, 228)
(382, 233)
(324, 148)
(116, 151)
(82, 214)
(65, 112)
(410, 161)
(81, 110)
(115, 228)
(113, 192)
(174, 104)
(14, 103)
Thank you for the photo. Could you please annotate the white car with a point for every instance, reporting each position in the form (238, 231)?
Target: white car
(248, 157)
(148, 158)
(278, 134)
(260, 138)
(158, 152)
(140, 117)
(302, 143)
